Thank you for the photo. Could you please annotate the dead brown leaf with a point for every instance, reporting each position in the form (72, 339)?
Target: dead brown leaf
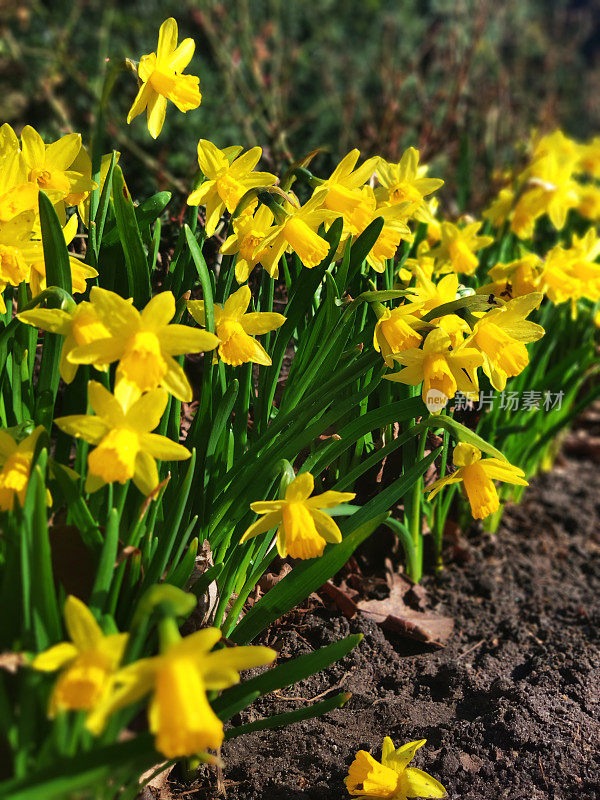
(394, 614)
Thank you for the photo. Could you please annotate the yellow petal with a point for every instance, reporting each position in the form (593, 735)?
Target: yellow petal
(178, 339)
(83, 629)
(262, 525)
(416, 783)
(145, 474)
(55, 657)
(157, 108)
(61, 154)
(182, 56)
(146, 412)
(237, 303)
(300, 488)
(167, 39)
(176, 382)
(163, 448)
(326, 526)
(159, 311)
(329, 499)
(104, 404)
(261, 322)
(90, 429)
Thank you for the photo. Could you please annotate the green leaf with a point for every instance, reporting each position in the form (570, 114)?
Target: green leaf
(138, 277)
(56, 255)
(463, 434)
(103, 205)
(364, 244)
(235, 699)
(106, 566)
(44, 603)
(145, 214)
(204, 276)
(278, 720)
(305, 578)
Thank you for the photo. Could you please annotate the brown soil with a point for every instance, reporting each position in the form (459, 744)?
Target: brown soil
(510, 708)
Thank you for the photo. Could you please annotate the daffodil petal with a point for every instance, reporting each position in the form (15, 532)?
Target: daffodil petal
(163, 448)
(159, 311)
(262, 525)
(300, 488)
(145, 476)
(326, 526)
(259, 322)
(90, 429)
(83, 629)
(55, 657)
(178, 339)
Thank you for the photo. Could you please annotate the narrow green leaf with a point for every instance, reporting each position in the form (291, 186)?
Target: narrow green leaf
(106, 566)
(56, 255)
(233, 700)
(138, 277)
(204, 276)
(278, 720)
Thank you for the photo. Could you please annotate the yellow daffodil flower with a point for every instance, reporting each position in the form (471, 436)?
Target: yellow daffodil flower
(501, 207)
(303, 529)
(33, 253)
(589, 157)
(235, 328)
(524, 275)
(429, 295)
(477, 475)
(572, 273)
(457, 247)
(392, 779)
(340, 189)
(406, 181)
(15, 467)
(395, 331)
(228, 177)
(143, 343)
(589, 202)
(249, 233)
(180, 715)
(79, 327)
(298, 231)
(49, 166)
(393, 232)
(500, 335)
(87, 662)
(124, 446)
(161, 79)
(456, 328)
(15, 235)
(551, 190)
(442, 370)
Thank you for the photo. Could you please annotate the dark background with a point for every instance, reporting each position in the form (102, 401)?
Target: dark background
(466, 81)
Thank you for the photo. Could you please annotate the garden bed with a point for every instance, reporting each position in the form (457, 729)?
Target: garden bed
(509, 707)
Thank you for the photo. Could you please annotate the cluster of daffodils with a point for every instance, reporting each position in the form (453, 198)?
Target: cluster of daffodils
(561, 174)
(62, 170)
(91, 679)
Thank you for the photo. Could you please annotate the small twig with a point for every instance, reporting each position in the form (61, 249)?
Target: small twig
(317, 696)
(470, 650)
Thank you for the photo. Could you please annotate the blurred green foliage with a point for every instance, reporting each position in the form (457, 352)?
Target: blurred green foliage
(463, 80)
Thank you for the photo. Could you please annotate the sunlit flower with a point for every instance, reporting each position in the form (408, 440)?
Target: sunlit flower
(477, 475)
(143, 343)
(550, 190)
(298, 232)
(303, 529)
(442, 370)
(33, 253)
(406, 181)
(457, 247)
(86, 663)
(236, 328)
(429, 295)
(340, 190)
(49, 166)
(15, 467)
(15, 235)
(161, 79)
(392, 779)
(228, 177)
(124, 446)
(395, 331)
(524, 275)
(178, 679)
(501, 335)
(79, 326)
(247, 240)
(500, 209)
